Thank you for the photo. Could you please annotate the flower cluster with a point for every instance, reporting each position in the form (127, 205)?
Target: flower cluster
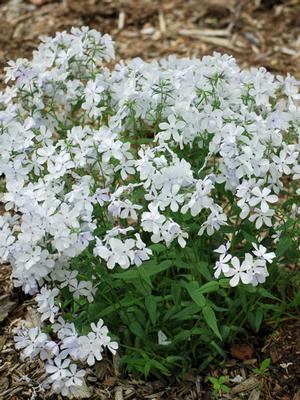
(249, 271)
(59, 356)
(106, 162)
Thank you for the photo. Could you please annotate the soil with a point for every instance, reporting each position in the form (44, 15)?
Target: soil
(257, 33)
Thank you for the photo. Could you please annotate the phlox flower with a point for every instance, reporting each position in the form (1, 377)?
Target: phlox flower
(91, 347)
(240, 272)
(58, 369)
(117, 252)
(82, 288)
(152, 221)
(261, 252)
(222, 264)
(262, 197)
(46, 303)
(6, 239)
(223, 249)
(31, 341)
(260, 217)
(171, 129)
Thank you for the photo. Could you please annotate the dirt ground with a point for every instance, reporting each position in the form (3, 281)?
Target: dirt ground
(258, 33)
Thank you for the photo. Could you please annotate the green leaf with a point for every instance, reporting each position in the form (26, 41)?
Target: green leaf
(147, 368)
(93, 312)
(145, 276)
(137, 329)
(182, 336)
(160, 367)
(157, 248)
(188, 312)
(224, 283)
(249, 238)
(151, 306)
(203, 269)
(265, 364)
(211, 320)
(284, 244)
(155, 269)
(259, 313)
(126, 275)
(209, 287)
(110, 309)
(264, 293)
(195, 293)
(176, 293)
(170, 312)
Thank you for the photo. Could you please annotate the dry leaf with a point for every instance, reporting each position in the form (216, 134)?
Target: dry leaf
(254, 395)
(241, 351)
(248, 384)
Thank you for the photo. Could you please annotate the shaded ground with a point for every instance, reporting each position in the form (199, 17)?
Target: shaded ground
(256, 32)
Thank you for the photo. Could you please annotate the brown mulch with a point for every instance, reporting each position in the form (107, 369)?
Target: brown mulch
(257, 33)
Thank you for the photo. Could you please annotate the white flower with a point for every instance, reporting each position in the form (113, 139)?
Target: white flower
(101, 332)
(71, 346)
(63, 329)
(170, 197)
(118, 252)
(263, 197)
(171, 129)
(171, 231)
(6, 239)
(259, 272)
(90, 348)
(75, 378)
(261, 217)
(58, 369)
(240, 271)
(152, 221)
(141, 252)
(261, 252)
(83, 288)
(213, 223)
(129, 210)
(67, 278)
(49, 350)
(102, 161)
(283, 162)
(31, 341)
(223, 249)
(222, 265)
(102, 196)
(44, 154)
(46, 303)
(200, 198)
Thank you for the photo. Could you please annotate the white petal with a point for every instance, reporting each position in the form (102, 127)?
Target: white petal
(235, 280)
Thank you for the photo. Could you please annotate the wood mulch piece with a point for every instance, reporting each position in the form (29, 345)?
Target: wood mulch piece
(257, 33)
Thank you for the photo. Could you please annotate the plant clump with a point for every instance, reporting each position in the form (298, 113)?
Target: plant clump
(150, 206)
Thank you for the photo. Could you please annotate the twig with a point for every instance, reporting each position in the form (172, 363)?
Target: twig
(121, 20)
(197, 33)
(162, 22)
